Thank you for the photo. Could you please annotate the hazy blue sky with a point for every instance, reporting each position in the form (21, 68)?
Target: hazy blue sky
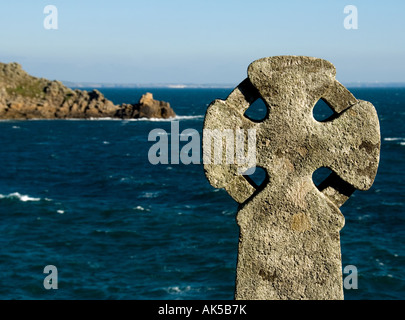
(204, 41)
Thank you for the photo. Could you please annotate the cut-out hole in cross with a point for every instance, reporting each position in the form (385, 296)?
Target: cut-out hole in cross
(322, 112)
(257, 111)
(320, 175)
(257, 176)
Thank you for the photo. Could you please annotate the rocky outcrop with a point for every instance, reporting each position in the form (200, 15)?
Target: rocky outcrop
(26, 97)
(147, 107)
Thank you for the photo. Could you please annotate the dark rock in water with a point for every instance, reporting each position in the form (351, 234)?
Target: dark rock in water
(147, 107)
(26, 97)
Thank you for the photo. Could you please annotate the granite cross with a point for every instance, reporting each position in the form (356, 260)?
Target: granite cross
(289, 242)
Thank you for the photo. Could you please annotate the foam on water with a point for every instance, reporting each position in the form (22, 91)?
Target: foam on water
(393, 139)
(21, 197)
(169, 119)
(194, 117)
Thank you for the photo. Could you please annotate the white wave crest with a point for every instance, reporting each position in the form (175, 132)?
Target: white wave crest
(21, 197)
(177, 289)
(140, 208)
(168, 119)
(394, 139)
(115, 119)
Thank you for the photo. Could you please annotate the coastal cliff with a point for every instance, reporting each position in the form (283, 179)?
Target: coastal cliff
(23, 96)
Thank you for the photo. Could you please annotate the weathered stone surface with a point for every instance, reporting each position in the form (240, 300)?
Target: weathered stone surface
(289, 245)
(25, 97)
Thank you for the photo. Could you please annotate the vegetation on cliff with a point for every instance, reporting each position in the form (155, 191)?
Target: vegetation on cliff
(23, 96)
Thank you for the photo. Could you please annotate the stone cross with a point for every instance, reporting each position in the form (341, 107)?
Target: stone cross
(289, 243)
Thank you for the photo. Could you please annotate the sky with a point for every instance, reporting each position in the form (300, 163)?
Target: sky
(200, 41)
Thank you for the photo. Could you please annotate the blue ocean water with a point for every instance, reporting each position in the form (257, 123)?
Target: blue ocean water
(81, 195)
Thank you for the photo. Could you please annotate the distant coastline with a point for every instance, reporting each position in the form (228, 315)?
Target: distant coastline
(96, 85)
(374, 84)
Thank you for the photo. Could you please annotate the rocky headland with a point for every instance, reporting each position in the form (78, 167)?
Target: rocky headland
(23, 96)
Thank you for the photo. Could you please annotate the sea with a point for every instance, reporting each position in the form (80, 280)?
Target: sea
(82, 197)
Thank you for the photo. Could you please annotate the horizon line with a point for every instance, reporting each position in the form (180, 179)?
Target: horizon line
(88, 84)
